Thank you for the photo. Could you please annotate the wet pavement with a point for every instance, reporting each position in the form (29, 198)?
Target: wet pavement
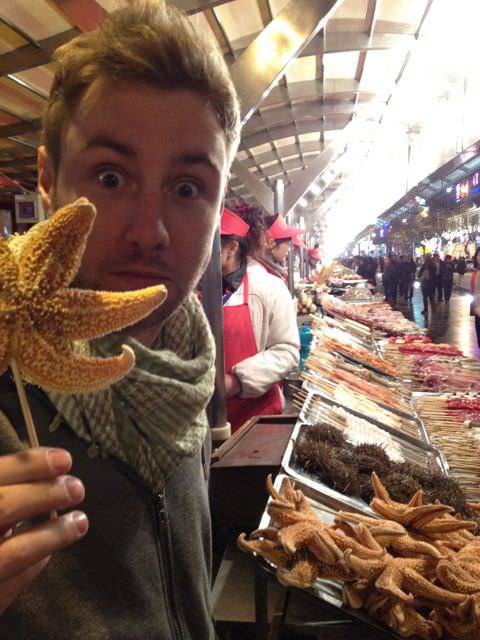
(450, 323)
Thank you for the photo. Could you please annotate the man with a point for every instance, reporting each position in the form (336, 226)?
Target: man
(390, 279)
(446, 273)
(144, 121)
(438, 283)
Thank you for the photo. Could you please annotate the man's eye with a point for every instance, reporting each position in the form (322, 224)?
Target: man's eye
(186, 189)
(111, 179)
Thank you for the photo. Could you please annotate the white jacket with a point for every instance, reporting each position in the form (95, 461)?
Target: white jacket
(274, 327)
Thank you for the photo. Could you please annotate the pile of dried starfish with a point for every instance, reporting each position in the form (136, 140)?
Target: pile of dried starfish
(416, 567)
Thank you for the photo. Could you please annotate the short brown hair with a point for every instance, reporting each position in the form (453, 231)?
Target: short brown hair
(144, 41)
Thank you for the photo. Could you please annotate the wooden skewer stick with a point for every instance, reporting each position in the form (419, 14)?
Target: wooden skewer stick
(27, 414)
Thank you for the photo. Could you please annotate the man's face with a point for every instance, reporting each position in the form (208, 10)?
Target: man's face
(154, 163)
(280, 251)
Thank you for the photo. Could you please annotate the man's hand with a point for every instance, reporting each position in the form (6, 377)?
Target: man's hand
(233, 386)
(32, 483)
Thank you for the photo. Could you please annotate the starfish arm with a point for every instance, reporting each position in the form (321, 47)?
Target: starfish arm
(365, 568)
(41, 364)
(454, 577)
(389, 582)
(447, 526)
(380, 491)
(268, 549)
(365, 547)
(90, 314)
(8, 276)
(353, 595)
(50, 256)
(407, 546)
(303, 574)
(420, 586)
(295, 536)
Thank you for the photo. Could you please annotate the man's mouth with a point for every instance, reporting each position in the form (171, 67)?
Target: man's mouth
(137, 278)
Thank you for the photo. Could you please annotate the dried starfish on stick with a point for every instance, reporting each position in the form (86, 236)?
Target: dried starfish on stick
(41, 316)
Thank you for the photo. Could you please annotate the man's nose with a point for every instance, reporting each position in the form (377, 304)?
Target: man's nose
(147, 225)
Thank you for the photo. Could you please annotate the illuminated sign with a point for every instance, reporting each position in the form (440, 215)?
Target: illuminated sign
(467, 187)
(462, 190)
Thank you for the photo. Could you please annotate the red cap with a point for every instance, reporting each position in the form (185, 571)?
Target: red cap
(281, 231)
(233, 225)
(299, 243)
(314, 254)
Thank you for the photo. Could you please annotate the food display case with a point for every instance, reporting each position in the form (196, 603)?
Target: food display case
(360, 419)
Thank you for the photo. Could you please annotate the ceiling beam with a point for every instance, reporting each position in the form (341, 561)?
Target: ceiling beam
(264, 62)
(312, 110)
(261, 192)
(298, 188)
(85, 15)
(370, 20)
(18, 162)
(332, 151)
(195, 6)
(20, 128)
(347, 41)
(287, 130)
(261, 65)
(30, 56)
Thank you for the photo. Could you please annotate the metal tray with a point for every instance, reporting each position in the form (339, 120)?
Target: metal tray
(372, 367)
(328, 592)
(409, 415)
(424, 455)
(315, 395)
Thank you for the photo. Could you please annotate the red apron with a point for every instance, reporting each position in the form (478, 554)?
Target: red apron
(239, 344)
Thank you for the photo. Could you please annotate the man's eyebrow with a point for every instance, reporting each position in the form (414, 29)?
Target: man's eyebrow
(110, 143)
(201, 158)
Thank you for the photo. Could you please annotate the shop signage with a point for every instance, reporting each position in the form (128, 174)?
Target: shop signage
(467, 187)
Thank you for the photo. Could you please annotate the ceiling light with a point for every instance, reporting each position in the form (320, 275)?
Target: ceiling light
(315, 190)
(302, 202)
(404, 220)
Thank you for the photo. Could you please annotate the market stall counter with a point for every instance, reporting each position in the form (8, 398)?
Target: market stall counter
(375, 511)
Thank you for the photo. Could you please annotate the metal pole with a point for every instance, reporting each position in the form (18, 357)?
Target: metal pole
(303, 253)
(279, 207)
(212, 304)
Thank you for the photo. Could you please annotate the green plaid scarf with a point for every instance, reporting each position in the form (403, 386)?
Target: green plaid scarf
(154, 416)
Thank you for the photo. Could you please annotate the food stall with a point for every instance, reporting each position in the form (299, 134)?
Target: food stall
(374, 514)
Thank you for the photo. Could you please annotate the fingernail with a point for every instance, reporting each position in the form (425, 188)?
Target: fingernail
(59, 460)
(79, 520)
(73, 487)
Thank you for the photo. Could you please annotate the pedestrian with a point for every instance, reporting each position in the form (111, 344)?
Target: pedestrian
(390, 279)
(427, 275)
(438, 283)
(446, 273)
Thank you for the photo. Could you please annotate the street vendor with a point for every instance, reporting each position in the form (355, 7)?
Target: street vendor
(260, 330)
(276, 248)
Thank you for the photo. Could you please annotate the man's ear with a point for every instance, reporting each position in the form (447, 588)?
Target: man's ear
(46, 180)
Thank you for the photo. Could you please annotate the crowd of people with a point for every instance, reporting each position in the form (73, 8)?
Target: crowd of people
(398, 274)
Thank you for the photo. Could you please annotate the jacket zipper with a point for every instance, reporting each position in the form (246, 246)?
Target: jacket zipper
(165, 566)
